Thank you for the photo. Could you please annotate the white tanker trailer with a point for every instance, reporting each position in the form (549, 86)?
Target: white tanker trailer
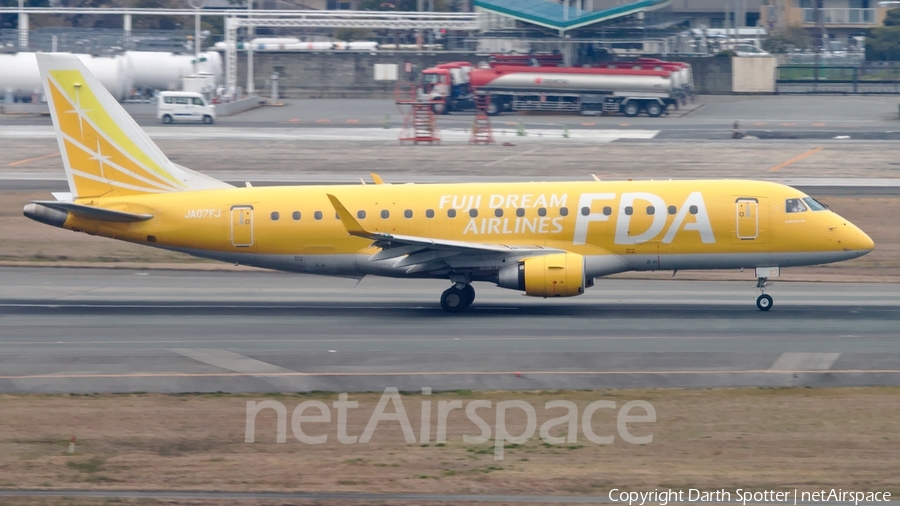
(629, 91)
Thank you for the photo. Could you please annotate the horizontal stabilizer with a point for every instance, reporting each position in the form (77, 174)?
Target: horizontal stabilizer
(94, 213)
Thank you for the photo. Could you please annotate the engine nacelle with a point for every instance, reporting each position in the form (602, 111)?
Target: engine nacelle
(553, 275)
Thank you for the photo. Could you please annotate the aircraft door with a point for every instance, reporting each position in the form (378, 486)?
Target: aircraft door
(750, 220)
(242, 226)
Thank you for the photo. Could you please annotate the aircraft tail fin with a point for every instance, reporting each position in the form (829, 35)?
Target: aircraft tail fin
(104, 151)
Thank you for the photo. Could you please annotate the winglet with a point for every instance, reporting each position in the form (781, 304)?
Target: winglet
(353, 227)
(376, 178)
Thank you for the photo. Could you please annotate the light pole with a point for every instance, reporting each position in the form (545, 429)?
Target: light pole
(197, 5)
(250, 89)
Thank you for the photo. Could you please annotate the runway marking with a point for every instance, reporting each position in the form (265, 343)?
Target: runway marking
(437, 373)
(22, 162)
(231, 361)
(796, 159)
(506, 159)
(805, 361)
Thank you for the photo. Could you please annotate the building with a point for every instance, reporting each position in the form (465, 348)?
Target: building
(841, 20)
(715, 13)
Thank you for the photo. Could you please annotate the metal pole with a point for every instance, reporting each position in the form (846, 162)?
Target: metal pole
(23, 25)
(818, 42)
(250, 89)
(126, 22)
(196, 36)
(231, 56)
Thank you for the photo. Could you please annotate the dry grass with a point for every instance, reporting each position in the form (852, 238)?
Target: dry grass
(751, 438)
(26, 242)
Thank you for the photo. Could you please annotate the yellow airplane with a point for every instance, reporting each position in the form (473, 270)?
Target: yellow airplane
(546, 239)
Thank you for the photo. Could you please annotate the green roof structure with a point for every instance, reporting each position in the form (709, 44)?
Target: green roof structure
(553, 15)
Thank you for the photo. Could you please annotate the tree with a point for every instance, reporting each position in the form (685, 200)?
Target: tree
(883, 43)
(793, 37)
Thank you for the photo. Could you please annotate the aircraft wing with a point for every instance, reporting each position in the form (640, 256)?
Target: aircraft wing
(426, 254)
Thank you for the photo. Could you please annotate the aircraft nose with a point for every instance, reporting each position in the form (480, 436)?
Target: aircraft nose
(857, 240)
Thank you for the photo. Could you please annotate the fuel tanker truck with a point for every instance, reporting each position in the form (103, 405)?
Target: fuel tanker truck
(631, 88)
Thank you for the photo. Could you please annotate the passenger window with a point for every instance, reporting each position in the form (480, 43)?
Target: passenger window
(498, 212)
(197, 101)
(607, 211)
(585, 211)
(473, 213)
(651, 210)
(520, 212)
(170, 100)
(629, 210)
(542, 212)
(275, 216)
(361, 214)
(451, 213)
(385, 214)
(318, 215)
(296, 215)
(429, 213)
(693, 210)
(672, 210)
(794, 206)
(814, 205)
(563, 211)
(407, 213)
(181, 100)
(337, 216)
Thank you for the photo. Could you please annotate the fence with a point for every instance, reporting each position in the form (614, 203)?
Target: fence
(838, 79)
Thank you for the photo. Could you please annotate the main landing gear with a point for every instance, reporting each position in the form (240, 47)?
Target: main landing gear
(457, 297)
(764, 301)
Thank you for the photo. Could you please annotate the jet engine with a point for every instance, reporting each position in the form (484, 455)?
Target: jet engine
(553, 275)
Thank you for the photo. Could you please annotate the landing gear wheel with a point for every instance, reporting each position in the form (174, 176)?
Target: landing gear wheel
(453, 300)
(764, 302)
(469, 292)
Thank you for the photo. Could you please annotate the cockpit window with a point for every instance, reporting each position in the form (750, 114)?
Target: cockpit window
(814, 204)
(794, 206)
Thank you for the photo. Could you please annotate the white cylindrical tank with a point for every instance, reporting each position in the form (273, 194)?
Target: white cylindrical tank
(19, 74)
(165, 71)
(538, 81)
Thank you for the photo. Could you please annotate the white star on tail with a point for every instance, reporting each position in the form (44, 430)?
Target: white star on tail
(77, 109)
(100, 158)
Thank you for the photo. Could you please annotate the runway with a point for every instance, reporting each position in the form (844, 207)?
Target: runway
(95, 330)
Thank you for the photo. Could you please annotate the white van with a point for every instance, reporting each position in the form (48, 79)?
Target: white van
(184, 106)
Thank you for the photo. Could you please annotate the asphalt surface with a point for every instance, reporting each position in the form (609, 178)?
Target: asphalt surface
(93, 330)
(710, 118)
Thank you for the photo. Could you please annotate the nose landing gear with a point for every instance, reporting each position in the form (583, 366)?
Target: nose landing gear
(456, 298)
(764, 301)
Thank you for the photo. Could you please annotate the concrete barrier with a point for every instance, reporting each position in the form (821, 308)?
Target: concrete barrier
(239, 106)
(753, 74)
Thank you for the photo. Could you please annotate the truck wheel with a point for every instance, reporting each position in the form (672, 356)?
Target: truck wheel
(167, 119)
(654, 109)
(439, 108)
(631, 109)
(493, 108)
(207, 120)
